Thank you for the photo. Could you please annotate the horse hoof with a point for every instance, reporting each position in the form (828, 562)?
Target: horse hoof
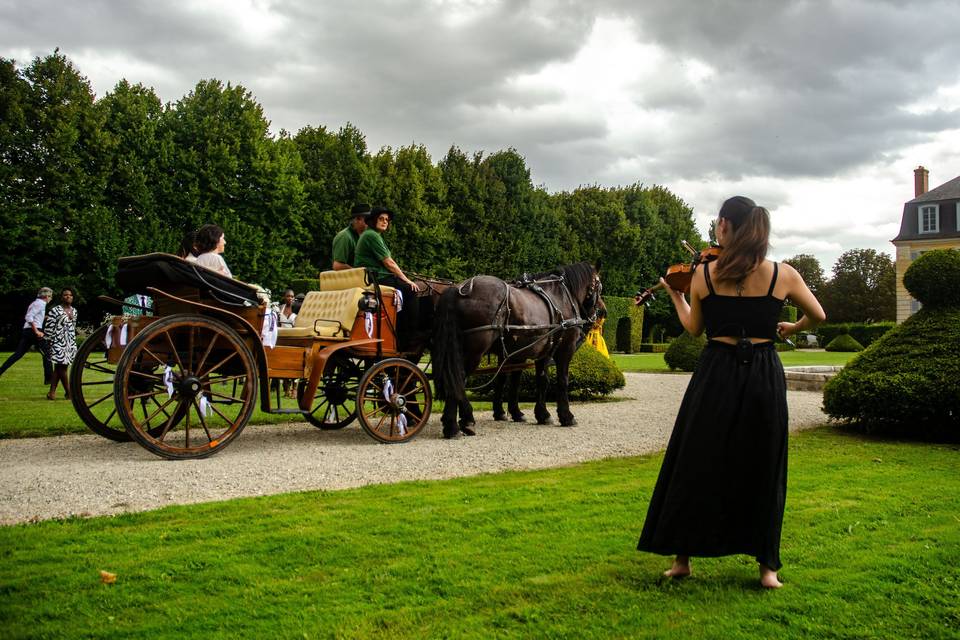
(519, 418)
(501, 417)
(467, 423)
(547, 420)
(451, 436)
(570, 423)
(467, 431)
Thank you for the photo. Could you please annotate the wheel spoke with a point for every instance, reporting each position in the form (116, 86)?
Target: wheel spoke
(159, 409)
(207, 373)
(206, 353)
(96, 382)
(149, 394)
(93, 404)
(203, 422)
(173, 350)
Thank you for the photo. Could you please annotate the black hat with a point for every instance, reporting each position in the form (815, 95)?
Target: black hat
(376, 213)
(360, 209)
(736, 209)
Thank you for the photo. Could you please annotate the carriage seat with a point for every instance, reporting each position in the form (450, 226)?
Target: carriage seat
(325, 314)
(350, 278)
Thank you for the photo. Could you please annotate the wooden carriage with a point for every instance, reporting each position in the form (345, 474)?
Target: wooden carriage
(183, 382)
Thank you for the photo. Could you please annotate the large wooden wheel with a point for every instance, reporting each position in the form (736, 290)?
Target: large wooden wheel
(393, 400)
(201, 375)
(334, 405)
(91, 391)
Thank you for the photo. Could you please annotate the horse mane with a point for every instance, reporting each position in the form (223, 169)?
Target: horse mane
(578, 276)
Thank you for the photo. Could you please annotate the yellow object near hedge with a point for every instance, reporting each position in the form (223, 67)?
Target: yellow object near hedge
(595, 338)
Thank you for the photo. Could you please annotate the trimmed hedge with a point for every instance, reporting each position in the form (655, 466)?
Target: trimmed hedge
(788, 313)
(592, 375)
(684, 352)
(865, 334)
(844, 343)
(654, 347)
(906, 383)
(305, 285)
(620, 307)
(926, 276)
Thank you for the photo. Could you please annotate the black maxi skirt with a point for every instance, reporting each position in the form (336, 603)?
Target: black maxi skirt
(723, 483)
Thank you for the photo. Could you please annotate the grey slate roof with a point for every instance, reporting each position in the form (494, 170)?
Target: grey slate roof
(946, 191)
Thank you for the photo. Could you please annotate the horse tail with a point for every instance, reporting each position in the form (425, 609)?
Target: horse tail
(449, 378)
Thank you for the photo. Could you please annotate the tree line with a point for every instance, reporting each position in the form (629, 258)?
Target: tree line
(85, 180)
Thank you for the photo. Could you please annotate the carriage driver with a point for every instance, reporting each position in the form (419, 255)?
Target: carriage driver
(345, 242)
(373, 254)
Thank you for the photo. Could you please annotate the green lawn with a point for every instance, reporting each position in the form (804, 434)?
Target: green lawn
(653, 362)
(871, 550)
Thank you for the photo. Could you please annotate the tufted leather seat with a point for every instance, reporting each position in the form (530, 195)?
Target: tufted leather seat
(348, 279)
(328, 314)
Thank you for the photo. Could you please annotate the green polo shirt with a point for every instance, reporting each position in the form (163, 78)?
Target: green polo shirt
(371, 252)
(345, 246)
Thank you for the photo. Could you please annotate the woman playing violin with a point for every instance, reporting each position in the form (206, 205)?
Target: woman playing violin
(722, 486)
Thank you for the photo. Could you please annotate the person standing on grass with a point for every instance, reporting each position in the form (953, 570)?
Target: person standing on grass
(60, 338)
(722, 486)
(32, 333)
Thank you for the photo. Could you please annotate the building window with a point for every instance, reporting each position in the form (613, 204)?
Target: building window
(929, 218)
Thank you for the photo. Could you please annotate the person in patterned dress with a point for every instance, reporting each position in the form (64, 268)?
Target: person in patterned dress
(60, 339)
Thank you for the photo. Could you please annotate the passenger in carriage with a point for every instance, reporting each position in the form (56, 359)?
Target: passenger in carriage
(345, 242)
(373, 254)
(210, 244)
(188, 247)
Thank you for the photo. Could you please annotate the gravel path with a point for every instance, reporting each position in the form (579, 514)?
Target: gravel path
(87, 475)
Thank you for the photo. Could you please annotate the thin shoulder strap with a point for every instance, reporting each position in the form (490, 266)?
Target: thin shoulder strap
(773, 281)
(706, 274)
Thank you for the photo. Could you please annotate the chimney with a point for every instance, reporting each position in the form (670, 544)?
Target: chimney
(920, 181)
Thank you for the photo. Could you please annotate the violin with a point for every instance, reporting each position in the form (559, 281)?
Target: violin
(679, 276)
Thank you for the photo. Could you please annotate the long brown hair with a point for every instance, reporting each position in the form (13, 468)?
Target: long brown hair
(746, 244)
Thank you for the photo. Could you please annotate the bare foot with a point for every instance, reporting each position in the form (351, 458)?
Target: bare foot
(768, 578)
(680, 568)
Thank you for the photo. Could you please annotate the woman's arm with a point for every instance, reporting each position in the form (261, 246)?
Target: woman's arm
(392, 266)
(800, 294)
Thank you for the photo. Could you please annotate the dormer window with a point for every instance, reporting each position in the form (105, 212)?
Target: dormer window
(929, 218)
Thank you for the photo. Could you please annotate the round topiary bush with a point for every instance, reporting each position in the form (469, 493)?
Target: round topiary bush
(844, 343)
(592, 375)
(934, 278)
(684, 352)
(906, 382)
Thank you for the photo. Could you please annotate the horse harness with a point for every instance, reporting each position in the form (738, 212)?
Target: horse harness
(559, 323)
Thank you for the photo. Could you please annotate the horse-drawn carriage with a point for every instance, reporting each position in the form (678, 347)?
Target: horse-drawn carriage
(184, 382)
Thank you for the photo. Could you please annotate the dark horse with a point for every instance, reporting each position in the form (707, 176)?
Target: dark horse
(534, 318)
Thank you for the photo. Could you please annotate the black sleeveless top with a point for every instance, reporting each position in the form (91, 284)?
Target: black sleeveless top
(741, 316)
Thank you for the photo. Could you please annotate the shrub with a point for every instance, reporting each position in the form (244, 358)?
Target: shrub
(654, 347)
(864, 333)
(933, 278)
(906, 382)
(621, 307)
(592, 375)
(684, 352)
(304, 285)
(844, 343)
(788, 313)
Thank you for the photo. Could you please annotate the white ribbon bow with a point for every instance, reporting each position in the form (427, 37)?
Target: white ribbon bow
(368, 323)
(398, 300)
(168, 380)
(401, 419)
(205, 410)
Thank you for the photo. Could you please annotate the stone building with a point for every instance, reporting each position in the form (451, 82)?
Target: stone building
(930, 221)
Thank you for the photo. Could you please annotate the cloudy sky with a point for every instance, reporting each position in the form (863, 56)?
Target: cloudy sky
(819, 110)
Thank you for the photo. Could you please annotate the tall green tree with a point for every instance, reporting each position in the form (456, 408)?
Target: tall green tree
(410, 185)
(136, 144)
(863, 287)
(336, 174)
(56, 227)
(810, 270)
(228, 170)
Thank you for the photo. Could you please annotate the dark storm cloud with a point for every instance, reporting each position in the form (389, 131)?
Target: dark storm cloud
(809, 88)
(800, 89)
